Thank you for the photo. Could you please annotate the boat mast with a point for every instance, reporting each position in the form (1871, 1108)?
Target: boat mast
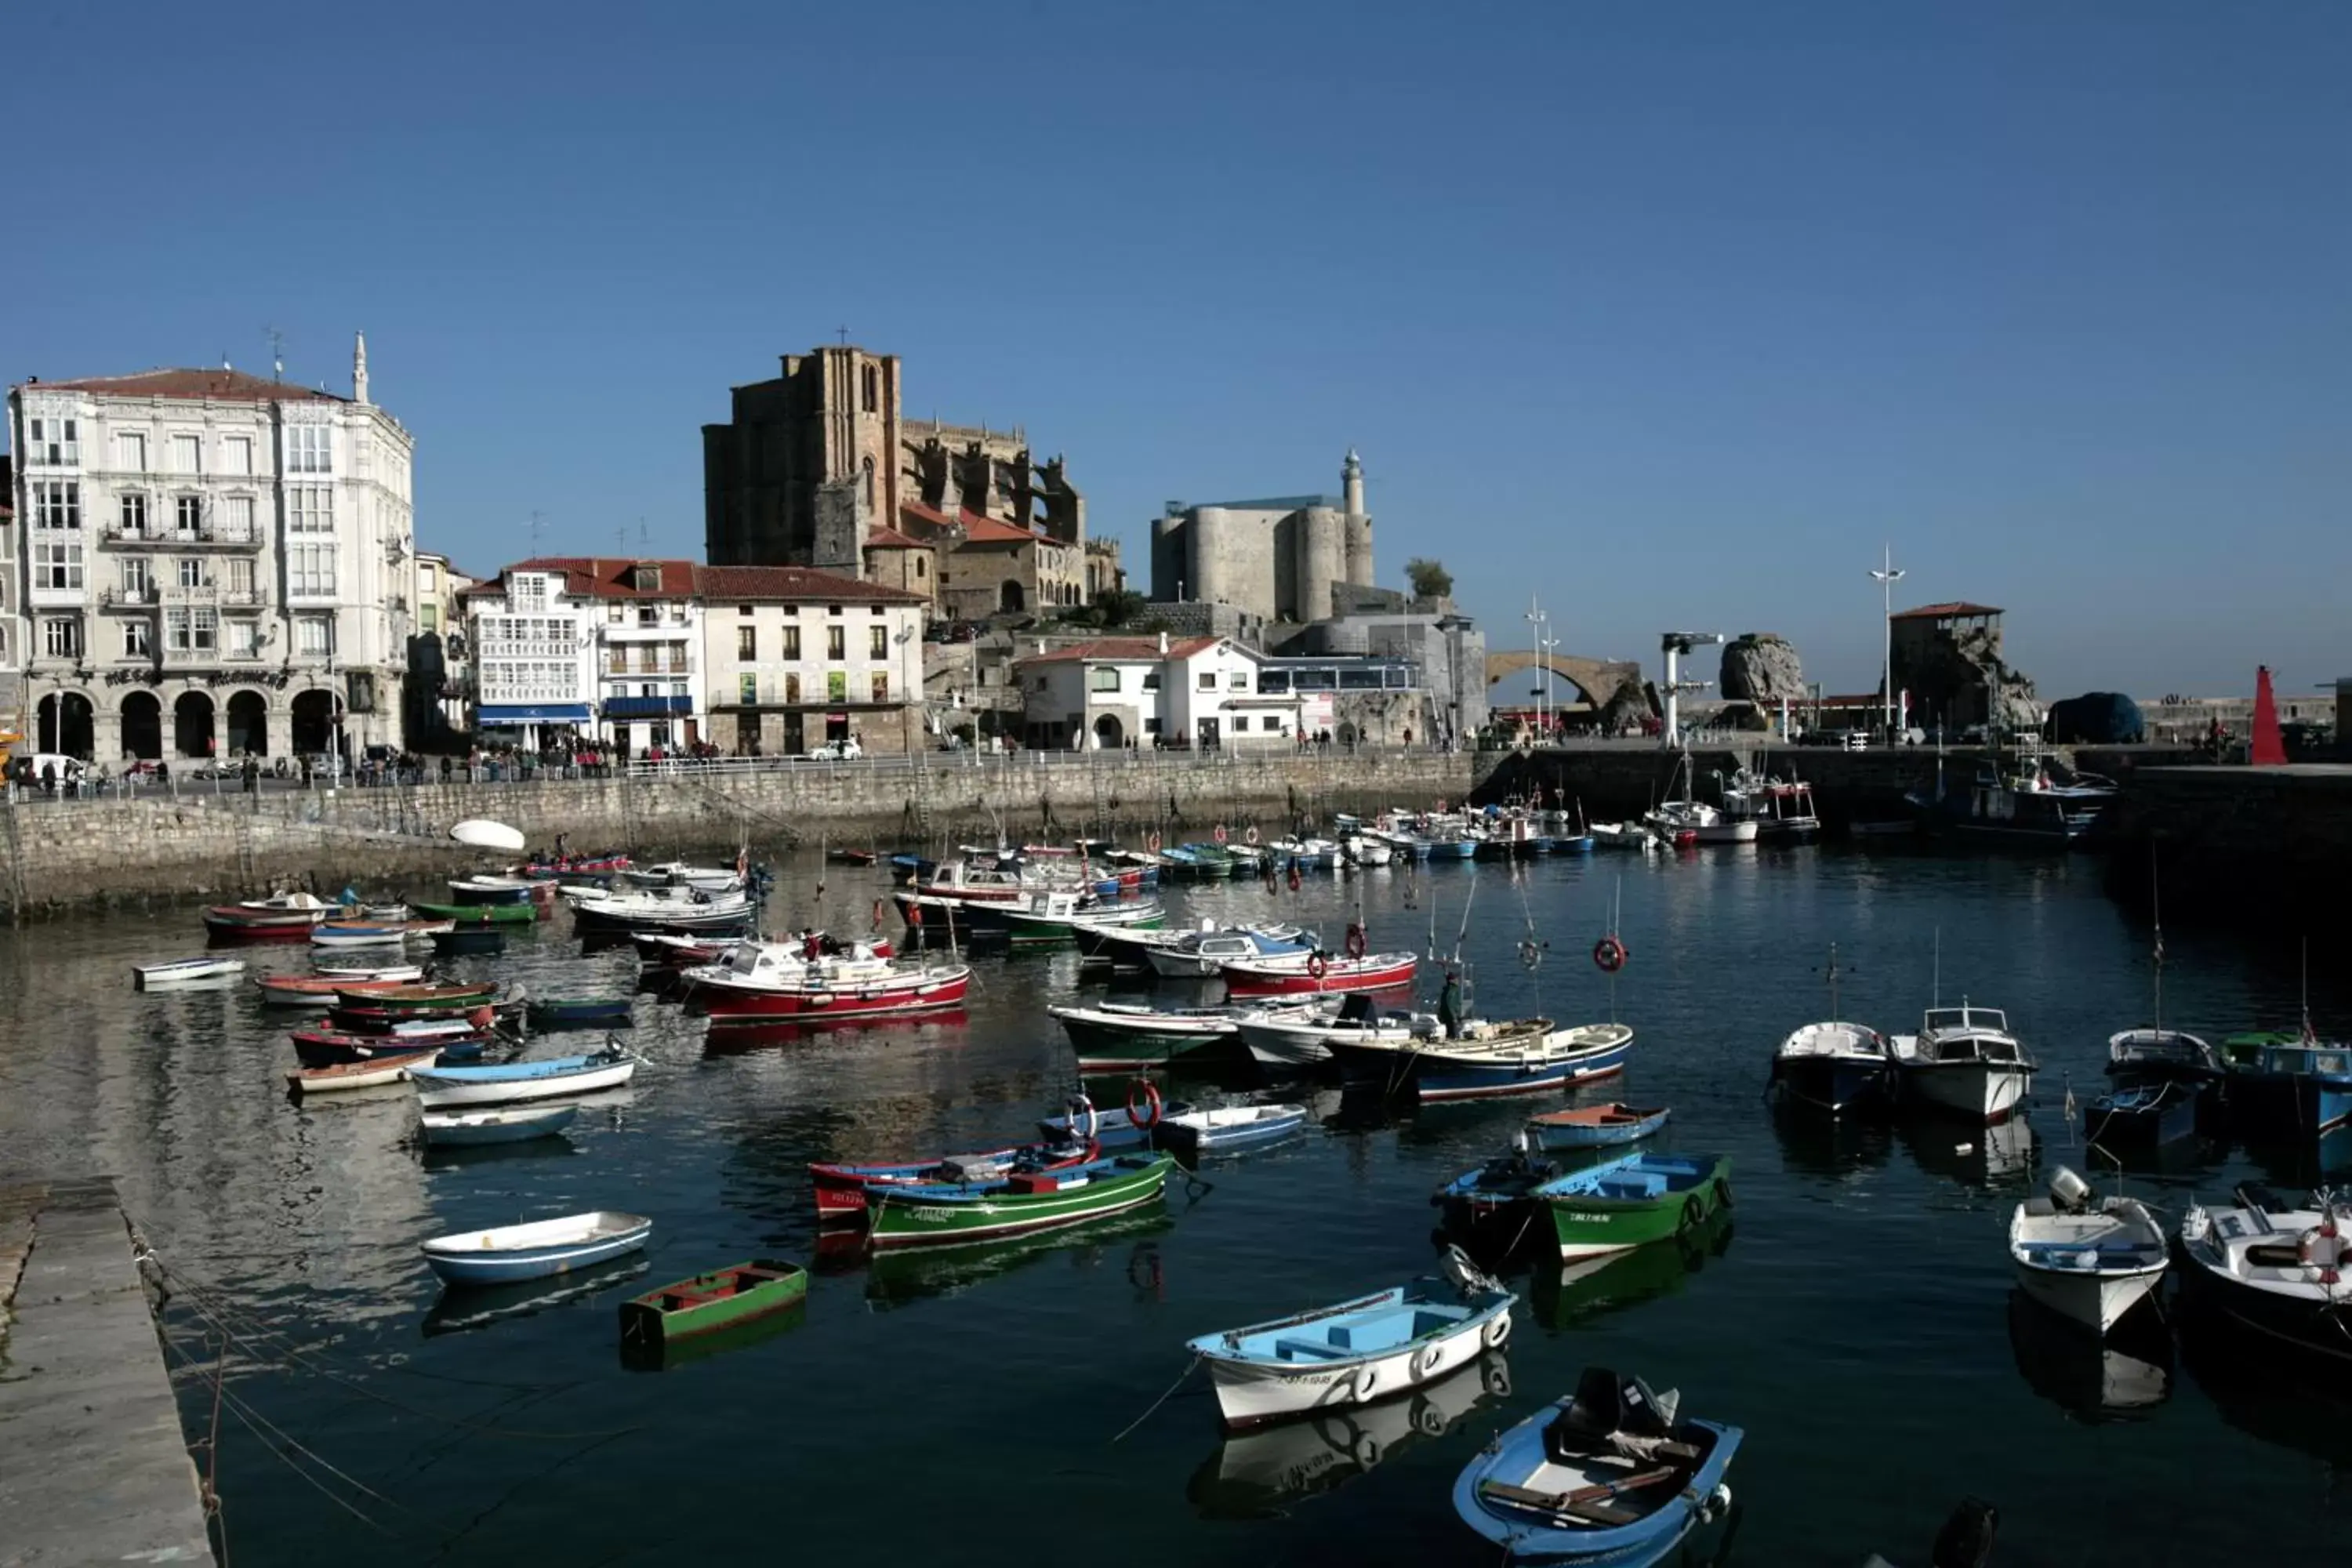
(2156, 904)
(1834, 974)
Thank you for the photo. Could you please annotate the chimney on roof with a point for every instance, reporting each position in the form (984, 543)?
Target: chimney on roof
(358, 367)
(1163, 644)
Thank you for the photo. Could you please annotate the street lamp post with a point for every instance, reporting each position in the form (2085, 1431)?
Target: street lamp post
(1888, 575)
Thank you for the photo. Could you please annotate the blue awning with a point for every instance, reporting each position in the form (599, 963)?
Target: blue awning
(534, 713)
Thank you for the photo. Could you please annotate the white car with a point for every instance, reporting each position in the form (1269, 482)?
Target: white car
(843, 751)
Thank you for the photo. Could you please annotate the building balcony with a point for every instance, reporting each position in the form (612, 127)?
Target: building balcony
(129, 598)
(619, 666)
(647, 707)
(115, 536)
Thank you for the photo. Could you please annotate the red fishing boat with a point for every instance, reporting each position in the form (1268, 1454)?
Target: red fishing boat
(841, 1189)
(1309, 974)
(286, 917)
(779, 980)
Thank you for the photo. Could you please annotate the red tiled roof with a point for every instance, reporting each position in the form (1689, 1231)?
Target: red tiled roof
(891, 538)
(610, 578)
(1944, 611)
(980, 530)
(1129, 648)
(918, 513)
(225, 386)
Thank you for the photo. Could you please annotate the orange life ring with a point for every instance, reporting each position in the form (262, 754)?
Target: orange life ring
(1316, 966)
(1153, 844)
(1135, 1118)
(1294, 874)
(1355, 940)
(1610, 954)
(1221, 833)
(1440, 805)
(915, 915)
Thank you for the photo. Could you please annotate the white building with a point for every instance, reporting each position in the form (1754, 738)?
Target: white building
(211, 564)
(609, 649)
(795, 657)
(1194, 691)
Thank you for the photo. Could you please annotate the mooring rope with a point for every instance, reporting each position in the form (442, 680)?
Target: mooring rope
(1163, 1399)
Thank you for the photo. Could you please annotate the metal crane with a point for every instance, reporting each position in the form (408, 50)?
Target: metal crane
(1678, 646)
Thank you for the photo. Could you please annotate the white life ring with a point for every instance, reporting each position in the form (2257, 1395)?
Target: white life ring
(1080, 1105)
(1499, 1329)
(1424, 1362)
(1367, 1384)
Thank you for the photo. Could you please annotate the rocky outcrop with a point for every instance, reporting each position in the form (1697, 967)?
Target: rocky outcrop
(1960, 678)
(1761, 667)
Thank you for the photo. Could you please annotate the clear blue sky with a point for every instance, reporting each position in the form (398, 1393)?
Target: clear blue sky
(1671, 314)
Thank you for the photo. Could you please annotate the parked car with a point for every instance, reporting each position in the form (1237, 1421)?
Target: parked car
(846, 750)
(329, 765)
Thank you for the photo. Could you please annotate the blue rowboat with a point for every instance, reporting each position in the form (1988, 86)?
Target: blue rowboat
(1228, 1127)
(1572, 844)
(536, 1250)
(2145, 1116)
(546, 1012)
(1475, 1069)
(1558, 1487)
(1114, 1129)
(1595, 1126)
(446, 1088)
(471, 1129)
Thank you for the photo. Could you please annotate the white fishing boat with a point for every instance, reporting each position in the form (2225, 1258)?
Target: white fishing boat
(1196, 954)
(678, 874)
(347, 970)
(2090, 1258)
(1695, 822)
(1356, 1351)
(1293, 1035)
(1624, 836)
(534, 1251)
(664, 908)
(2282, 1273)
(1363, 849)
(1963, 1059)
(443, 1088)
(180, 972)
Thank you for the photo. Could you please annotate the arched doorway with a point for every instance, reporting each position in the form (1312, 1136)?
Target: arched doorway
(315, 718)
(66, 724)
(1109, 734)
(143, 726)
(249, 723)
(1009, 597)
(191, 724)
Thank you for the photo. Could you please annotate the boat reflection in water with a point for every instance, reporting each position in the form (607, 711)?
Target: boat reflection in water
(1254, 1474)
(2123, 1377)
(902, 1276)
(1564, 1292)
(665, 1356)
(465, 1307)
(1838, 1147)
(1999, 1156)
(728, 1039)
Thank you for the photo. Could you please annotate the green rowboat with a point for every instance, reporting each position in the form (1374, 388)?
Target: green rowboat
(940, 1212)
(708, 1302)
(1621, 1204)
(479, 914)
(420, 998)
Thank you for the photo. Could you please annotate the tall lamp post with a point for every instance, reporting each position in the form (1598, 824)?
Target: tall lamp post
(1888, 575)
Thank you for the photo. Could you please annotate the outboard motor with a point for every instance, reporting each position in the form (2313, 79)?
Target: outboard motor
(1965, 1540)
(2068, 1191)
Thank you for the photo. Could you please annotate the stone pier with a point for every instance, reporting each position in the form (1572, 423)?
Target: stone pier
(93, 1464)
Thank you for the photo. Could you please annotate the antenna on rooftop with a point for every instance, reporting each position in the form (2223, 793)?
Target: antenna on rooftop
(276, 352)
(645, 537)
(538, 521)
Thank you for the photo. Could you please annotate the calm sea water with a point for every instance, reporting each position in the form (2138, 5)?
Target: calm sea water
(1856, 1318)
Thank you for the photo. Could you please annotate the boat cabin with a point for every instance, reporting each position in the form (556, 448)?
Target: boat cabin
(1966, 1034)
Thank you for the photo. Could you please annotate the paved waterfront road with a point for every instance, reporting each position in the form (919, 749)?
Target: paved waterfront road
(960, 1409)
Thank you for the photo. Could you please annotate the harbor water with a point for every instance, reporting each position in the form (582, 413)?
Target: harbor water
(1855, 1315)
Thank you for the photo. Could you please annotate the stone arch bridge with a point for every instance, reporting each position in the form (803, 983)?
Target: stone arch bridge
(1599, 678)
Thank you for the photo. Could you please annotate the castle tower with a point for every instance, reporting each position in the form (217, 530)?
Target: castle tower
(1351, 484)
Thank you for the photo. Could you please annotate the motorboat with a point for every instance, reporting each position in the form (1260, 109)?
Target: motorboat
(1693, 822)
(1624, 836)
(2283, 1085)
(1314, 974)
(1782, 809)
(1609, 1475)
(664, 908)
(2037, 803)
(1364, 849)
(774, 980)
(678, 874)
(1963, 1059)
(1302, 1036)
(1358, 1351)
(2153, 1055)
(1834, 1067)
(1202, 952)
(2087, 1258)
(2283, 1273)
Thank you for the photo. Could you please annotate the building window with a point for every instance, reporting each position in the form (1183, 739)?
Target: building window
(747, 643)
(1208, 680)
(1238, 680)
(309, 509)
(187, 454)
(649, 614)
(871, 397)
(236, 455)
(837, 643)
(833, 609)
(241, 639)
(646, 579)
(132, 510)
(428, 613)
(310, 571)
(1271, 725)
(56, 563)
(881, 686)
(61, 638)
(1273, 680)
(743, 609)
(314, 636)
(866, 479)
(138, 577)
(1151, 726)
(791, 688)
(529, 595)
(207, 628)
(57, 503)
(307, 450)
(139, 638)
(1151, 680)
(235, 516)
(187, 515)
(240, 579)
(877, 642)
(52, 441)
(791, 642)
(919, 565)
(1102, 678)
(747, 689)
(130, 451)
(191, 571)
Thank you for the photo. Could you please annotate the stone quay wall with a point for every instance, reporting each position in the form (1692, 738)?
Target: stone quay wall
(2265, 849)
(61, 854)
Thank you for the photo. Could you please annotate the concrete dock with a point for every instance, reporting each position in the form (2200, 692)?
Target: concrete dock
(93, 1464)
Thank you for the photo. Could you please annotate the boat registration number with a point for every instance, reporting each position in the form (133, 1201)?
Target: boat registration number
(1589, 1218)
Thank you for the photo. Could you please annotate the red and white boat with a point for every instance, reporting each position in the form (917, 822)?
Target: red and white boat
(778, 980)
(286, 917)
(1308, 974)
(673, 950)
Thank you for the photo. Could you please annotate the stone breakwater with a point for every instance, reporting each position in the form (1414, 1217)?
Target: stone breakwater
(57, 855)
